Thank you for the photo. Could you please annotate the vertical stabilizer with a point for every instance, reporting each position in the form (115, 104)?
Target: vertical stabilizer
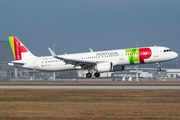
(19, 50)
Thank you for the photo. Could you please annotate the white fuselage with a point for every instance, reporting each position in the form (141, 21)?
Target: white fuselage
(120, 57)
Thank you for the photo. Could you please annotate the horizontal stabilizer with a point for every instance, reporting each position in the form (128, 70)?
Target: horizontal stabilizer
(15, 64)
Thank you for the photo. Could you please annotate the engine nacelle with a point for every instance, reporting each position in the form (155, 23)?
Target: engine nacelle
(104, 67)
(118, 68)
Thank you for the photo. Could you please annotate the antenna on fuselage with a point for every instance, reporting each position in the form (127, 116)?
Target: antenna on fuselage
(137, 44)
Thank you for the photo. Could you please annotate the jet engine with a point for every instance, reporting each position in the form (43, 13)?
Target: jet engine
(104, 67)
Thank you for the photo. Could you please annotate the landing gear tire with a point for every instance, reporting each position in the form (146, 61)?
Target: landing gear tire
(159, 69)
(88, 75)
(97, 74)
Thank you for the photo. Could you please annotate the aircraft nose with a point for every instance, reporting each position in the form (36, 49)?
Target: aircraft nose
(175, 55)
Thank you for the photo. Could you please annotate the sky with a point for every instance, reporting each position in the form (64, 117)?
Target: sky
(77, 25)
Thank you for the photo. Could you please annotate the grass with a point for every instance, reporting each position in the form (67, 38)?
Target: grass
(89, 104)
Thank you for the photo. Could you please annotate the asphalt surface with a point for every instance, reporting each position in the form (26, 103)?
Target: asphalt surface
(40, 84)
(87, 87)
(63, 84)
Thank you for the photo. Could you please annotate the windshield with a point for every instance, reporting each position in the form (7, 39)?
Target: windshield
(168, 50)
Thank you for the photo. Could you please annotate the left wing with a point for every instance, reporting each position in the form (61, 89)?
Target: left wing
(83, 63)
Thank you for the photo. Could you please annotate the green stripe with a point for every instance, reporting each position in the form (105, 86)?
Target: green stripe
(133, 55)
(11, 40)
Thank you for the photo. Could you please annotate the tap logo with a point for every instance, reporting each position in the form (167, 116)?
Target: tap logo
(138, 55)
(17, 47)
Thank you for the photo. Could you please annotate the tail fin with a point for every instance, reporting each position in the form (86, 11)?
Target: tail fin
(19, 50)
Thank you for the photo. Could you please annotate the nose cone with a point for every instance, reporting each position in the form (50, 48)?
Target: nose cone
(175, 55)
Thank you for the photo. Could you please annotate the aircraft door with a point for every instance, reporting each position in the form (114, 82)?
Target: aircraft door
(156, 53)
(79, 57)
(35, 65)
(121, 55)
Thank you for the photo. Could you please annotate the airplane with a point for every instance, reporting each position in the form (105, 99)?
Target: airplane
(101, 61)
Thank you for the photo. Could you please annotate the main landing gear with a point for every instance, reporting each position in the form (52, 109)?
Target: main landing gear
(89, 75)
(159, 69)
(97, 74)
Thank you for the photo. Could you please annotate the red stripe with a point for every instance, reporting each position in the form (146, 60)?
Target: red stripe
(18, 49)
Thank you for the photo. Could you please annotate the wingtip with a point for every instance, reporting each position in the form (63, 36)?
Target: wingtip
(90, 50)
(52, 53)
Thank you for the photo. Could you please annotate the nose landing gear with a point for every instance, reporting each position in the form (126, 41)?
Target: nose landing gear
(159, 69)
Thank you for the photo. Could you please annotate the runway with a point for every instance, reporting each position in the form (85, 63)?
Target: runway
(88, 87)
(24, 84)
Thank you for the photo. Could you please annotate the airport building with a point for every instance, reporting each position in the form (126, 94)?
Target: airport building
(5, 56)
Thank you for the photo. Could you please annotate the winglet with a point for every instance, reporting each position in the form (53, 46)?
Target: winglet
(52, 53)
(90, 50)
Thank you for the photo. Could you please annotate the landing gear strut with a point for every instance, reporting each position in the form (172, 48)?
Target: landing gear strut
(159, 69)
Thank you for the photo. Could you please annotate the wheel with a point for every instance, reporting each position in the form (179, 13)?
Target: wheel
(97, 74)
(88, 75)
(159, 69)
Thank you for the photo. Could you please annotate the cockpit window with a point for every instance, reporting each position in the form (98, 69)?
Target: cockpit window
(168, 50)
